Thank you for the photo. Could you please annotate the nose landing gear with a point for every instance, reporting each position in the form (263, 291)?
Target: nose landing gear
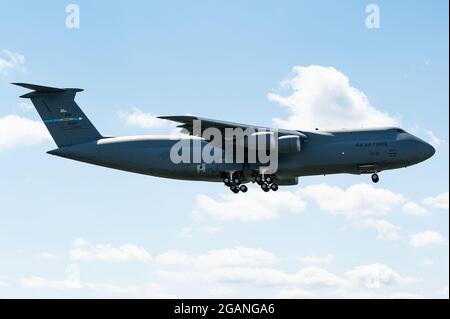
(375, 178)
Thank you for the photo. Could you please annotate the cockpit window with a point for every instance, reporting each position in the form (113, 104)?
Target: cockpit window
(400, 130)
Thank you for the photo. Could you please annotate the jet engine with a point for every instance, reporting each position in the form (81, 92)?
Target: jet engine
(287, 144)
(287, 181)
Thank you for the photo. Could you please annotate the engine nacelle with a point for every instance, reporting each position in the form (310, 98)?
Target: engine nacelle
(257, 139)
(289, 144)
(287, 181)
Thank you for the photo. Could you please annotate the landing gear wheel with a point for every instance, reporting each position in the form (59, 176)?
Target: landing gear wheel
(258, 179)
(237, 180)
(274, 187)
(265, 187)
(268, 179)
(375, 178)
(226, 181)
(234, 188)
(243, 188)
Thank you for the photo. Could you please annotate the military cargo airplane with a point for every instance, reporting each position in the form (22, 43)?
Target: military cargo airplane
(300, 153)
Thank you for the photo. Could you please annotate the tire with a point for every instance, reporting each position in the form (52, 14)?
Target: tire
(375, 178)
(243, 188)
(274, 187)
(269, 179)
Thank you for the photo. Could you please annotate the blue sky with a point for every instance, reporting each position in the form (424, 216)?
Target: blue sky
(126, 235)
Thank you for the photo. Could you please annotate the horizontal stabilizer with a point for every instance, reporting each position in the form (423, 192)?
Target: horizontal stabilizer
(43, 89)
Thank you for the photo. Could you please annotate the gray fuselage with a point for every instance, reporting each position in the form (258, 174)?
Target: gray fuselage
(331, 152)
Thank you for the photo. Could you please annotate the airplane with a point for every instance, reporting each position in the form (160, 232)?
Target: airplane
(301, 153)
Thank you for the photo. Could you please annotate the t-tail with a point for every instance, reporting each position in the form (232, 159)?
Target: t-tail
(65, 121)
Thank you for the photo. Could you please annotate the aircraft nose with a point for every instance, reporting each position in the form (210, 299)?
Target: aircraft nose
(426, 150)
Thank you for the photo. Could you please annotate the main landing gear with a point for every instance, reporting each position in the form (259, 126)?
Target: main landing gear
(233, 181)
(266, 182)
(375, 178)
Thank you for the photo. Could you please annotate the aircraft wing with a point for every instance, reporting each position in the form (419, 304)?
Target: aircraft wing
(187, 123)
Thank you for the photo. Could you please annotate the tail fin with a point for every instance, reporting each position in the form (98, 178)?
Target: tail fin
(64, 119)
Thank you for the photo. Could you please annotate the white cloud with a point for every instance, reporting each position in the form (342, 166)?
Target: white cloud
(385, 230)
(433, 139)
(10, 60)
(174, 257)
(323, 97)
(378, 294)
(156, 291)
(376, 276)
(221, 291)
(83, 250)
(189, 231)
(186, 231)
(237, 256)
(140, 119)
(146, 290)
(241, 265)
(426, 239)
(444, 291)
(359, 200)
(427, 263)
(413, 208)
(224, 272)
(16, 131)
(46, 255)
(352, 202)
(212, 230)
(25, 106)
(439, 201)
(108, 288)
(405, 295)
(40, 282)
(3, 283)
(295, 293)
(317, 276)
(254, 206)
(317, 260)
(309, 276)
